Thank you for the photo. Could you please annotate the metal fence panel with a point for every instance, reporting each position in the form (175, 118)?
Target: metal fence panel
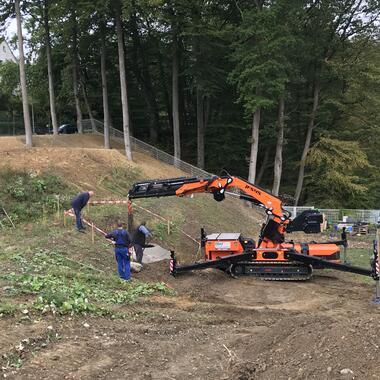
(296, 210)
(336, 215)
(332, 215)
(141, 146)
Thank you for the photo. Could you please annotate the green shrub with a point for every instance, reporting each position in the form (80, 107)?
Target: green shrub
(44, 275)
(25, 195)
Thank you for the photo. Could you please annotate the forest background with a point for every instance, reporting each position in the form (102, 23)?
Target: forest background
(284, 93)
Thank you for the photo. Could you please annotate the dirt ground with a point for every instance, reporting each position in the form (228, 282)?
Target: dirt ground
(84, 153)
(214, 328)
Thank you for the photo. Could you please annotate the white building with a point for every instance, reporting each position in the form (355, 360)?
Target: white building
(6, 53)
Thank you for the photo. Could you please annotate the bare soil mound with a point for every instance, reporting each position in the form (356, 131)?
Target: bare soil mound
(215, 328)
(80, 159)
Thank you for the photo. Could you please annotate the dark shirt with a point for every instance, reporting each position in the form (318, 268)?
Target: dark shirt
(121, 237)
(80, 200)
(344, 238)
(140, 235)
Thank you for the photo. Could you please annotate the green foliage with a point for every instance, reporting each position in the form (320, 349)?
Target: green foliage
(14, 360)
(334, 165)
(59, 285)
(120, 179)
(9, 78)
(25, 195)
(7, 309)
(9, 86)
(262, 66)
(357, 104)
(160, 229)
(236, 56)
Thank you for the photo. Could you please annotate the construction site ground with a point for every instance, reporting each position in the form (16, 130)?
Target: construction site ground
(209, 327)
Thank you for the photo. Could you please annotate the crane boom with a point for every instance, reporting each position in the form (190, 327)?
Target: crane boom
(182, 186)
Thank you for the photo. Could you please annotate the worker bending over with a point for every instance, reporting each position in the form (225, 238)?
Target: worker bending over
(122, 241)
(77, 204)
(139, 240)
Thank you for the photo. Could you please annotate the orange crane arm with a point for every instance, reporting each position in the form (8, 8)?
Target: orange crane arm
(219, 185)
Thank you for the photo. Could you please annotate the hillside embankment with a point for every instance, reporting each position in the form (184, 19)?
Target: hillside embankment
(64, 313)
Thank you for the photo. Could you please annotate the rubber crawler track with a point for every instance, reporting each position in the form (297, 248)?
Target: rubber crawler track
(277, 276)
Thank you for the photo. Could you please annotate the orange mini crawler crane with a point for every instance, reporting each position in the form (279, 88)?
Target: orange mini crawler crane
(272, 258)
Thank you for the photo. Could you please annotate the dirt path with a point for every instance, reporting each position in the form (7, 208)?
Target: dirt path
(214, 328)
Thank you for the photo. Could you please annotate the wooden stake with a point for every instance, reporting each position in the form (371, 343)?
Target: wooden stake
(8, 217)
(92, 233)
(58, 216)
(43, 215)
(168, 227)
(64, 218)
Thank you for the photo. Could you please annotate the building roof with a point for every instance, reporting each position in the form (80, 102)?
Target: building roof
(6, 54)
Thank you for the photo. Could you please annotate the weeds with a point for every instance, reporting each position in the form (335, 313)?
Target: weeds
(62, 286)
(18, 354)
(14, 360)
(119, 180)
(7, 309)
(162, 230)
(27, 195)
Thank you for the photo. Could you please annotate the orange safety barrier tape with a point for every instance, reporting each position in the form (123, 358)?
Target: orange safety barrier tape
(118, 201)
(108, 202)
(91, 224)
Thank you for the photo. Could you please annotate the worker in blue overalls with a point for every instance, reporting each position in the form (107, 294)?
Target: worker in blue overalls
(122, 241)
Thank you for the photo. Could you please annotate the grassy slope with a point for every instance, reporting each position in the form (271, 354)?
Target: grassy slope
(111, 175)
(39, 249)
(49, 267)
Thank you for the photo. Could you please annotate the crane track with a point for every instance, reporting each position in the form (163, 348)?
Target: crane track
(274, 270)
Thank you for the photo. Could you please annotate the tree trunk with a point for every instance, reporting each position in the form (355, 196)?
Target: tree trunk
(24, 91)
(175, 102)
(254, 145)
(163, 82)
(53, 112)
(310, 127)
(279, 146)
(75, 65)
(166, 92)
(106, 111)
(90, 115)
(263, 166)
(77, 100)
(200, 129)
(143, 76)
(123, 83)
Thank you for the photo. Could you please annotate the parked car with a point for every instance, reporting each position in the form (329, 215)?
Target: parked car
(67, 129)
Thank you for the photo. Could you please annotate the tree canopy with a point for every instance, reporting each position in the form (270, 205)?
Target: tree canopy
(279, 91)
